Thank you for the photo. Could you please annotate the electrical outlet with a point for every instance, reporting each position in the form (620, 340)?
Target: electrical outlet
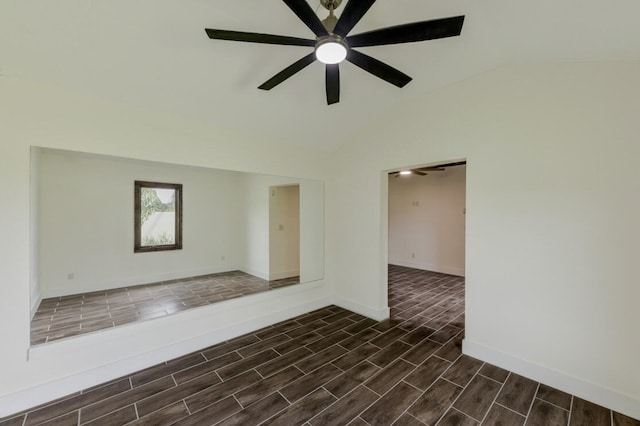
(71, 276)
(223, 258)
(413, 255)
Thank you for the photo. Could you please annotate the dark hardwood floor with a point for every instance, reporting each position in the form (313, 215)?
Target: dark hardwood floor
(335, 367)
(68, 316)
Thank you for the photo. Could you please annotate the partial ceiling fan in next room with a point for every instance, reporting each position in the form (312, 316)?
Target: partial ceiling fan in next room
(422, 171)
(332, 45)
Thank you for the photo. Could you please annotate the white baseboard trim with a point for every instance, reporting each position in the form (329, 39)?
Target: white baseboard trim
(428, 267)
(374, 314)
(131, 281)
(28, 398)
(254, 272)
(283, 275)
(608, 398)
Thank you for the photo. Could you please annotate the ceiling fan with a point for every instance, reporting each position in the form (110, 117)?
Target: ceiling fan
(421, 171)
(332, 45)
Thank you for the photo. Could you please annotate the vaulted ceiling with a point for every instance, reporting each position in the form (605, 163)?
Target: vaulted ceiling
(154, 54)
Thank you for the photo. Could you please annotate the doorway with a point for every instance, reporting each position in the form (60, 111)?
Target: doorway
(426, 218)
(284, 232)
(426, 256)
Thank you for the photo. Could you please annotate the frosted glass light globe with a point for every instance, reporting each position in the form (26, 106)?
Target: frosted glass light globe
(331, 52)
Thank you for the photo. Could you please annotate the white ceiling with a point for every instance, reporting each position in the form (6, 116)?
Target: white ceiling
(155, 54)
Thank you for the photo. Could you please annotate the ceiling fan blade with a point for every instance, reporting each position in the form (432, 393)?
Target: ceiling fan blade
(351, 15)
(333, 83)
(457, 163)
(418, 172)
(288, 72)
(407, 33)
(302, 9)
(431, 169)
(258, 38)
(377, 68)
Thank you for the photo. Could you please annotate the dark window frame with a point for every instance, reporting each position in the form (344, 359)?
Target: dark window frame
(137, 232)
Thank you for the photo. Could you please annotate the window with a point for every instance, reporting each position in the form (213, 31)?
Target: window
(158, 216)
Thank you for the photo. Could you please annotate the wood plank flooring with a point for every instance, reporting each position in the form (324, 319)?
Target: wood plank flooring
(334, 367)
(68, 316)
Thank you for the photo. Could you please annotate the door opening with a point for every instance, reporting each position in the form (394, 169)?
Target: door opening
(427, 210)
(284, 232)
(426, 255)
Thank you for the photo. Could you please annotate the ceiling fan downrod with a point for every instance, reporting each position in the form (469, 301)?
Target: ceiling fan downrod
(330, 21)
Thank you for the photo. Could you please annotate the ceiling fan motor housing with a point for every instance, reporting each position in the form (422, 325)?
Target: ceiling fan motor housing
(330, 22)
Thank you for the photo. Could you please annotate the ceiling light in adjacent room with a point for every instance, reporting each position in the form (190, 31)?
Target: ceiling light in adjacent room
(405, 172)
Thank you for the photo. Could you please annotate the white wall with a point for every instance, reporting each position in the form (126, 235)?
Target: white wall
(551, 238)
(34, 115)
(552, 217)
(86, 222)
(256, 206)
(284, 232)
(34, 284)
(256, 218)
(426, 220)
(312, 230)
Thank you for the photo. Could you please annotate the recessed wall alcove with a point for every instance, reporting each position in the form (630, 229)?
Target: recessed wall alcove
(84, 267)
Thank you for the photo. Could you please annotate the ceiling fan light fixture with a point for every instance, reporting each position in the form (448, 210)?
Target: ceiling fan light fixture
(405, 172)
(331, 50)
(333, 44)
